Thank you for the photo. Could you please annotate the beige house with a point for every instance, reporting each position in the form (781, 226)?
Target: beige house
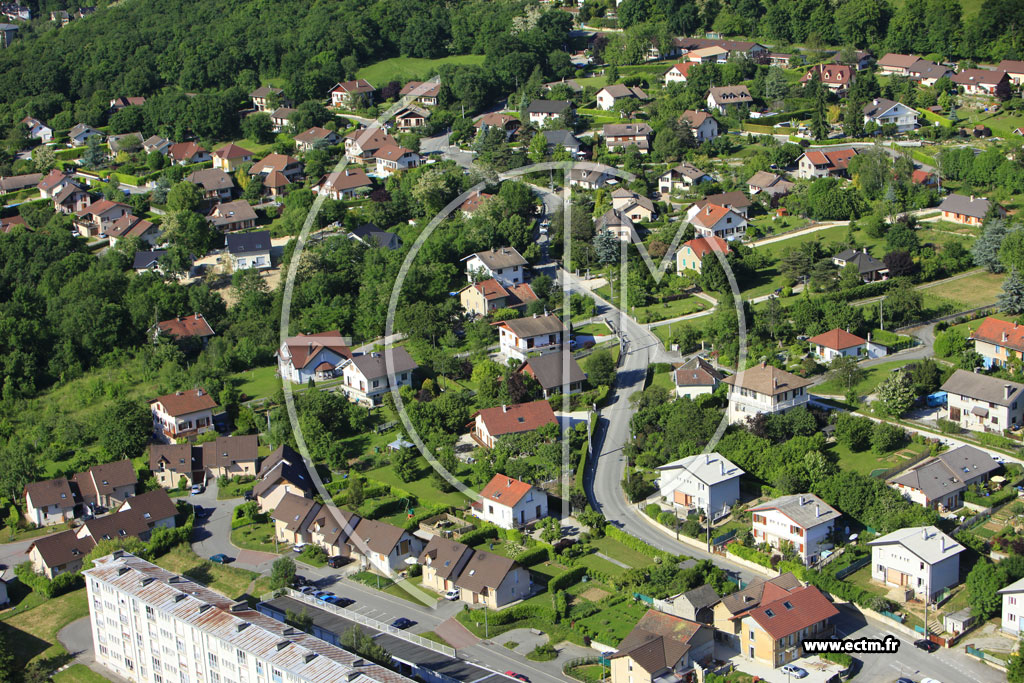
(230, 456)
(107, 485)
(59, 554)
(523, 337)
(443, 560)
(377, 544)
(292, 518)
(662, 647)
(637, 207)
(764, 389)
(490, 424)
(691, 255)
(182, 414)
(482, 578)
(168, 463)
(968, 210)
(484, 297)
(773, 633)
(49, 502)
(983, 403)
(283, 472)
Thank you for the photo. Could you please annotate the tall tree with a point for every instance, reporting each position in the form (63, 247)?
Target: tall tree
(985, 250)
(1012, 299)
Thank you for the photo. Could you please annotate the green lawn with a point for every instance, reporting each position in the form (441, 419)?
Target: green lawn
(257, 383)
(33, 633)
(78, 673)
(773, 225)
(979, 289)
(594, 329)
(614, 622)
(655, 312)
(600, 564)
(621, 552)
(423, 488)
(410, 68)
(231, 581)
(873, 378)
(234, 489)
(255, 537)
(663, 379)
(864, 462)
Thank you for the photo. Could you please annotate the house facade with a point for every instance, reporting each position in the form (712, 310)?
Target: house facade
(921, 560)
(729, 96)
(486, 296)
(182, 414)
(366, 377)
(391, 159)
(1013, 608)
(719, 221)
(506, 265)
(883, 112)
(49, 502)
(691, 255)
(619, 136)
(662, 647)
(803, 522)
(968, 210)
(764, 389)
(695, 377)
(681, 178)
(550, 372)
(823, 164)
(312, 356)
(772, 634)
(521, 337)
(510, 503)
(837, 342)
(998, 341)
(249, 249)
(703, 125)
(706, 482)
(982, 403)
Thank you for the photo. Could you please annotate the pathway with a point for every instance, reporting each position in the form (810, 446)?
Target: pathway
(613, 560)
(457, 635)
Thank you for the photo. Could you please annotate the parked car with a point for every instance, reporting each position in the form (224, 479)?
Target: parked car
(926, 645)
(197, 488)
(341, 602)
(299, 580)
(402, 623)
(518, 677)
(203, 513)
(220, 558)
(307, 590)
(299, 547)
(326, 596)
(794, 671)
(336, 561)
(451, 594)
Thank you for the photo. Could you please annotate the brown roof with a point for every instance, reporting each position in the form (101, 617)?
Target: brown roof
(194, 325)
(731, 94)
(750, 597)
(295, 511)
(227, 214)
(837, 339)
(618, 90)
(379, 537)
(533, 326)
(334, 524)
(377, 364)
(182, 151)
(830, 73)
(696, 372)
(357, 86)
(304, 347)
(275, 179)
(348, 179)
(177, 456)
(522, 417)
(898, 60)
(732, 200)
(151, 506)
(7, 223)
(505, 490)
(391, 152)
(284, 464)
(265, 90)
(211, 179)
(313, 134)
(51, 492)
(101, 480)
(474, 201)
(370, 141)
(273, 162)
(100, 207)
(709, 215)
(496, 259)
(767, 379)
(118, 525)
(659, 641)
(484, 570)
(129, 225)
(432, 89)
(444, 556)
(62, 548)
(976, 207)
(978, 77)
(695, 118)
(232, 151)
(800, 608)
(1011, 66)
(20, 182)
(495, 119)
(227, 450)
(547, 369)
(185, 402)
(52, 179)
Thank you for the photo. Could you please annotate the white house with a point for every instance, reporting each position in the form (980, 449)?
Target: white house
(703, 125)
(803, 520)
(312, 356)
(610, 94)
(729, 96)
(249, 249)
(681, 178)
(837, 342)
(1013, 607)
(678, 73)
(982, 403)
(392, 158)
(38, 129)
(920, 559)
(506, 265)
(822, 164)
(718, 221)
(705, 482)
(490, 424)
(940, 482)
(510, 503)
(366, 377)
(883, 112)
(522, 337)
(541, 112)
(695, 377)
(182, 414)
(764, 389)
(49, 502)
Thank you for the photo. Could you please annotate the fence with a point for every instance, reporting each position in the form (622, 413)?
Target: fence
(985, 657)
(644, 598)
(905, 465)
(895, 617)
(721, 540)
(365, 621)
(853, 566)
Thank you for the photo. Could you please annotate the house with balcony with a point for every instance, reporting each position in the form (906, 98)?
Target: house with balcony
(662, 648)
(718, 221)
(96, 218)
(411, 117)
(835, 77)
(803, 521)
(249, 249)
(619, 136)
(706, 482)
(182, 414)
(381, 545)
(215, 183)
(266, 98)
(510, 503)
(678, 73)
(920, 560)
(132, 226)
(352, 94)
(894, 64)
(361, 144)
(940, 482)
(883, 112)
(367, 377)
(734, 201)
(823, 164)
(589, 179)
(522, 337)
(426, 93)
(391, 159)
(729, 96)
(292, 518)
(49, 502)
(772, 184)
(349, 183)
(38, 130)
(541, 112)
(486, 296)
(983, 403)
(968, 210)
(980, 81)
(764, 389)
(232, 216)
(312, 356)
(507, 123)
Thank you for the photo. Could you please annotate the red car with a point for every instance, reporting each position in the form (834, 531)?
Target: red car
(519, 677)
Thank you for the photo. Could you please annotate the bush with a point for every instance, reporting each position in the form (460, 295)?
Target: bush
(886, 437)
(542, 653)
(633, 542)
(653, 510)
(314, 553)
(749, 554)
(947, 426)
(566, 579)
(477, 536)
(854, 432)
(996, 441)
(532, 556)
(840, 658)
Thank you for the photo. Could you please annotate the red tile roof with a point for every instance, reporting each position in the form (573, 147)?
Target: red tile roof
(1001, 332)
(522, 417)
(490, 289)
(190, 326)
(357, 86)
(185, 402)
(683, 68)
(182, 151)
(921, 177)
(474, 201)
(837, 339)
(793, 611)
(304, 347)
(830, 73)
(505, 490)
(709, 215)
(702, 246)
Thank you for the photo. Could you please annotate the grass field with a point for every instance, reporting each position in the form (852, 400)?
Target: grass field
(663, 379)
(234, 489)
(231, 581)
(979, 289)
(78, 673)
(621, 552)
(33, 633)
(613, 623)
(600, 564)
(255, 537)
(655, 312)
(593, 329)
(257, 383)
(423, 488)
(864, 462)
(410, 68)
(873, 378)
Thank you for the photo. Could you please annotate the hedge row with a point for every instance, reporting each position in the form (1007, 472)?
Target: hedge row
(633, 542)
(749, 554)
(520, 612)
(375, 509)
(829, 584)
(532, 556)
(480, 535)
(48, 588)
(566, 579)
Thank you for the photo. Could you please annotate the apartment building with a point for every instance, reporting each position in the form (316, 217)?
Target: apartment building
(983, 403)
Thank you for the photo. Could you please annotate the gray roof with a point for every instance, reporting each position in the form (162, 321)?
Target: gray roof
(1001, 392)
(618, 90)
(538, 324)
(506, 257)
(618, 129)
(374, 365)
(969, 462)
(926, 542)
(933, 479)
(211, 179)
(687, 170)
(147, 259)
(612, 218)
(929, 69)
(1015, 587)
(562, 138)
(587, 175)
(975, 207)
(866, 263)
(805, 509)
(731, 94)
(548, 107)
(877, 107)
(547, 369)
(710, 468)
(371, 235)
(701, 596)
(246, 242)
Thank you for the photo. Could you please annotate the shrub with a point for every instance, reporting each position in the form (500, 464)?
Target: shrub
(854, 432)
(542, 653)
(749, 554)
(477, 536)
(947, 426)
(566, 579)
(653, 510)
(633, 542)
(840, 658)
(886, 437)
(314, 553)
(532, 556)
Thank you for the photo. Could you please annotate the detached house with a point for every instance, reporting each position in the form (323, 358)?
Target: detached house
(926, 72)
(706, 482)
(522, 337)
(1013, 608)
(182, 414)
(980, 81)
(509, 124)
(823, 164)
(281, 119)
(266, 97)
(922, 560)
(996, 341)
(506, 265)
(773, 632)
(352, 93)
(132, 226)
(870, 268)
(681, 178)
(424, 93)
(550, 372)
(479, 576)
(617, 223)
(703, 125)
(691, 254)
(346, 184)
(764, 389)
(49, 502)
(230, 157)
(984, 403)
(312, 356)
(968, 210)
(610, 94)
(183, 153)
(249, 250)
(316, 137)
(678, 73)
(361, 144)
(729, 96)
(230, 216)
(939, 483)
(510, 503)
(392, 159)
(286, 165)
(563, 139)
(718, 221)
(619, 136)
(96, 218)
(484, 297)
(188, 327)
(541, 112)
(1014, 69)
(637, 207)
(695, 377)
(836, 342)
(215, 183)
(662, 647)
(411, 117)
(107, 486)
(283, 472)
(770, 183)
(81, 133)
(38, 130)
(804, 522)
(367, 378)
(883, 112)
(837, 78)
(490, 424)
(735, 200)
(893, 64)
(155, 143)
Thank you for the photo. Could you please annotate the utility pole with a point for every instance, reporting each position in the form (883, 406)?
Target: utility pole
(881, 323)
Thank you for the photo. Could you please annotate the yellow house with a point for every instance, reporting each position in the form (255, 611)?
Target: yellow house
(487, 296)
(773, 632)
(292, 518)
(662, 645)
(692, 253)
(730, 610)
(230, 157)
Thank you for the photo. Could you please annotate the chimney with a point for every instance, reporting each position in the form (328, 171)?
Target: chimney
(1007, 390)
(817, 511)
(199, 392)
(707, 458)
(869, 336)
(508, 482)
(924, 534)
(504, 408)
(722, 465)
(764, 364)
(1004, 335)
(972, 197)
(874, 102)
(775, 383)
(801, 499)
